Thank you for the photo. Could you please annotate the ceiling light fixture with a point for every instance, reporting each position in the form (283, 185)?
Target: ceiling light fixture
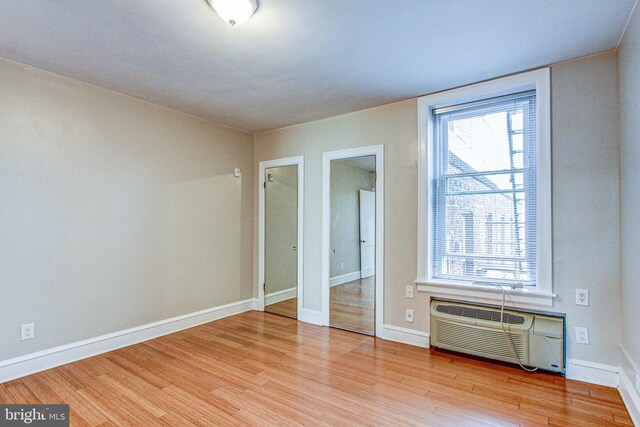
(234, 11)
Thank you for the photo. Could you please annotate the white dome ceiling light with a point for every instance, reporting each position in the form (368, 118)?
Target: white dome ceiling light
(234, 11)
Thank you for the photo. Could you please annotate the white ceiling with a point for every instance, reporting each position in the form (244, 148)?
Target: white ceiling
(299, 60)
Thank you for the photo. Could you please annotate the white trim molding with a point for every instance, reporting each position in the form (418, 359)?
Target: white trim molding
(327, 157)
(279, 296)
(518, 298)
(311, 316)
(21, 366)
(630, 388)
(264, 165)
(405, 336)
(344, 278)
(594, 373)
(538, 80)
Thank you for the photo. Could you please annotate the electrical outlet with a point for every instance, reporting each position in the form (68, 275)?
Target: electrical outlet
(342, 265)
(409, 293)
(27, 331)
(582, 335)
(409, 316)
(582, 297)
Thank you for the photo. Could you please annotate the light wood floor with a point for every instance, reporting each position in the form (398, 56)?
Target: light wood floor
(351, 305)
(262, 369)
(287, 308)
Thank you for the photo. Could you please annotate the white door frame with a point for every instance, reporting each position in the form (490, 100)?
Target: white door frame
(327, 157)
(288, 161)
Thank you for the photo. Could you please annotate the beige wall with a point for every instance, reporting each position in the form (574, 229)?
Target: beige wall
(114, 212)
(585, 185)
(395, 126)
(586, 222)
(629, 66)
(346, 182)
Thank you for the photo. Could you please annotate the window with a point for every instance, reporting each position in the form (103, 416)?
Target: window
(485, 208)
(484, 167)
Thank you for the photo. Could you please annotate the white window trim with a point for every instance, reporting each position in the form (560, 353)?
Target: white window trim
(540, 81)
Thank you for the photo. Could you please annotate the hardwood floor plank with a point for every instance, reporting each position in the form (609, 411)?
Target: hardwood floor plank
(264, 369)
(614, 408)
(85, 409)
(21, 393)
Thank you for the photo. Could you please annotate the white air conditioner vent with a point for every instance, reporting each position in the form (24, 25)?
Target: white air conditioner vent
(483, 342)
(479, 313)
(538, 339)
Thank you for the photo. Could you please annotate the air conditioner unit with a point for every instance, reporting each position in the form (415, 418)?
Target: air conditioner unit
(538, 339)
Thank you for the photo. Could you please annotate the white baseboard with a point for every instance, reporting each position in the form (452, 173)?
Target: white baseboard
(630, 397)
(594, 373)
(629, 388)
(368, 272)
(311, 316)
(279, 296)
(344, 278)
(46, 359)
(632, 363)
(404, 335)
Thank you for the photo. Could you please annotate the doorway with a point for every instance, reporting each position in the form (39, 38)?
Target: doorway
(280, 258)
(352, 239)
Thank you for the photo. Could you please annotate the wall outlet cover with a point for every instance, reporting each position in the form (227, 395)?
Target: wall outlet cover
(582, 297)
(27, 331)
(409, 292)
(582, 335)
(409, 315)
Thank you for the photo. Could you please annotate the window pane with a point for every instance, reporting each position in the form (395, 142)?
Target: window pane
(481, 142)
(485, 229)
(484, 187)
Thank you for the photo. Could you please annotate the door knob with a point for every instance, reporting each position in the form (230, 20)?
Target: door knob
(363, 241)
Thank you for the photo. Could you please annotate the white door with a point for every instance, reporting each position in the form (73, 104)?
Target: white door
(367, 233)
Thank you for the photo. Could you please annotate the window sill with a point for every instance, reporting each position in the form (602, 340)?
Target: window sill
(514, 297)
